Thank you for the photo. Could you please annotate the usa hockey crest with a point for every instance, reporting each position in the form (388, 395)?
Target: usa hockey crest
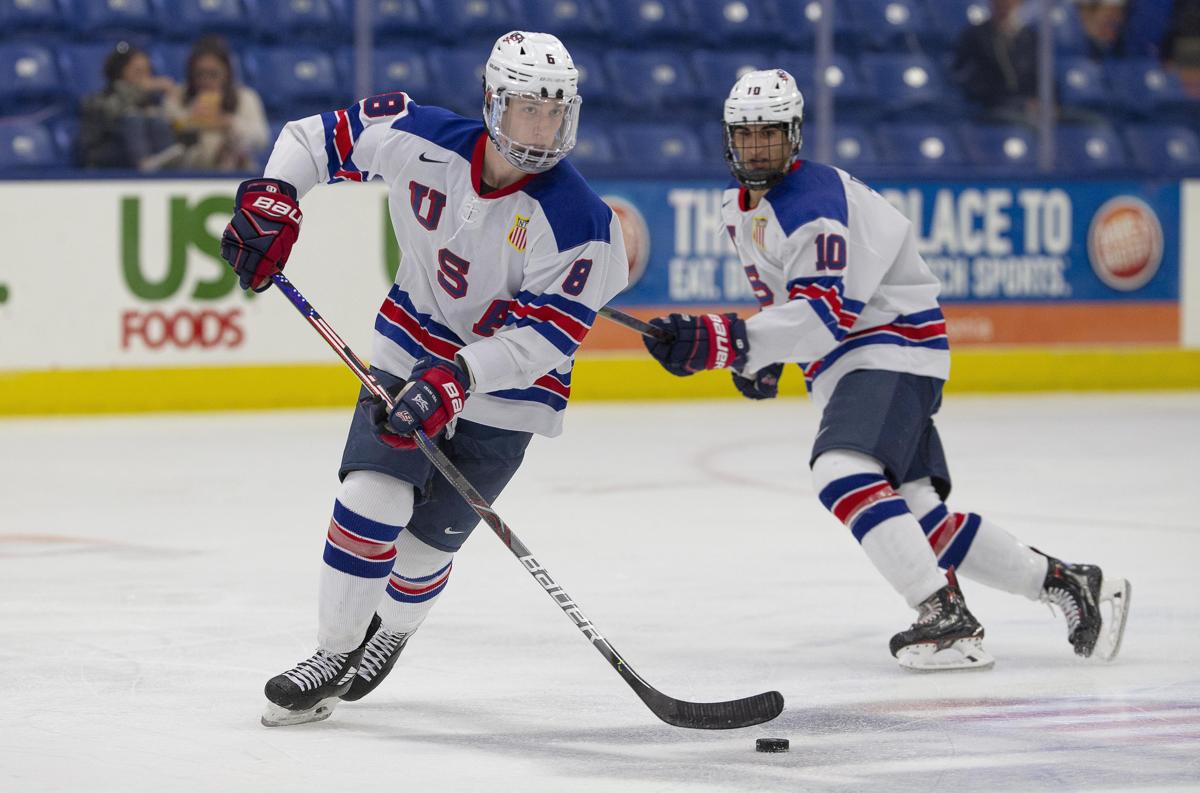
(517, 234)
(759, 232)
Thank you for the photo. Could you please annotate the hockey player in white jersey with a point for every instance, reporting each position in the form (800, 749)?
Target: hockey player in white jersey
(844, 292)
(507, 256)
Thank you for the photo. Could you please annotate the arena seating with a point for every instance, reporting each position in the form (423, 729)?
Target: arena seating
(653, 74)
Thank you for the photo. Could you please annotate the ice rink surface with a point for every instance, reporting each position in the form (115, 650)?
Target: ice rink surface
(155, 571)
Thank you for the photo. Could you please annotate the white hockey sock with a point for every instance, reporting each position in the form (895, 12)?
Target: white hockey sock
(979, 549)
(852, 486)
(418, 578)
(370, 512)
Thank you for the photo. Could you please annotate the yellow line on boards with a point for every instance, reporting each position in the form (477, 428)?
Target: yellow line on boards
(620, 377)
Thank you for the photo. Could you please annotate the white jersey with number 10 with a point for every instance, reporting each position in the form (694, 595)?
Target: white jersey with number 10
(836, 270)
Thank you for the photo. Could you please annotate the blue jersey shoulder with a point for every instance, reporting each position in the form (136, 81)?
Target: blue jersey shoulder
(441, 127)
(810, 192)
(575, 213)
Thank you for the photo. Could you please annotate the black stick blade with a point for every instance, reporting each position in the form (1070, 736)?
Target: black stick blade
(713, 715)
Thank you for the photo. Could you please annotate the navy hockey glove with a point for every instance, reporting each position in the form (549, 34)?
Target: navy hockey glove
(709, 341)
(764, 384)
(259, 238)
(434, 394)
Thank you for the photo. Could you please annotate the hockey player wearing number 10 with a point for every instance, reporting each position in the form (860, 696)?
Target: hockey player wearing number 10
(507, 256)
(844, 292)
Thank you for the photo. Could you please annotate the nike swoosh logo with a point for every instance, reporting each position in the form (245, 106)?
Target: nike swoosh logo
(423, 158)
(452, 531)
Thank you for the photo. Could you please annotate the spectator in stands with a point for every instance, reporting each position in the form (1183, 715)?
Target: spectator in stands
(1181, 46)
(1103, 23)
(126, 125)
(223, 120)
(995, 63)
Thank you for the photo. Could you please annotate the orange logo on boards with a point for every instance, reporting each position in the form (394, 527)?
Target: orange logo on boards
(1125, 243)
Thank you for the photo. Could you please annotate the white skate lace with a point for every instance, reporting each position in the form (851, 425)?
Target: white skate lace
(379, 649)
(317, 671)
(1066, 603)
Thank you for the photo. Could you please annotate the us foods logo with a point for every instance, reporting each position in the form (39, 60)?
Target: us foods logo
(1125, 243)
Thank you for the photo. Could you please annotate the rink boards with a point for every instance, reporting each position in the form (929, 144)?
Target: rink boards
(113, 298)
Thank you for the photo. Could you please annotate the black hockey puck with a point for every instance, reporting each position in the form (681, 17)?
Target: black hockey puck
(771, 745)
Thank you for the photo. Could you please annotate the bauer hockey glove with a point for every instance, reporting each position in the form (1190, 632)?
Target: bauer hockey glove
(764, 384)
(259, 238)
(709, 341)
(434, 394)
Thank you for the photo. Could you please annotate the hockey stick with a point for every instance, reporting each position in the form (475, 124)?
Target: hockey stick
(676, 712)
(633, 323)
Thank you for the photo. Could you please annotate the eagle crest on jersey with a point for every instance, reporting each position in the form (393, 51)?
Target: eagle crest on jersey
(517, 234)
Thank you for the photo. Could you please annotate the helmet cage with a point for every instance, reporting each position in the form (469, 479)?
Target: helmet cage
(526, 156)
(763, 178)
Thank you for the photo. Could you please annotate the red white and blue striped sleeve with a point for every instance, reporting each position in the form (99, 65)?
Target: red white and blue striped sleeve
(338, 145)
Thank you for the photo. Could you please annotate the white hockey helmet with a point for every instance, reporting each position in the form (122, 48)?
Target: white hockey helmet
(536, 70)
(764, 98)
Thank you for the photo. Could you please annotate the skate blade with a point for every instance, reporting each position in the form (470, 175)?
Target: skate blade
(963, 654)
(275, 716)
(1115, 593)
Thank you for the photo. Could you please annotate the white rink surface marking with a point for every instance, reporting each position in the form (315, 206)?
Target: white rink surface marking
(155, 571)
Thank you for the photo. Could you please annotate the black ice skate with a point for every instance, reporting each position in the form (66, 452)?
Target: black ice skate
(1080, 592)
(310, 690)
(945, 635)
(378, 658)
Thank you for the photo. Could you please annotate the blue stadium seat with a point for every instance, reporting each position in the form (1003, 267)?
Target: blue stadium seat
(399, 19)
(295, 81)
(798, 22)
(65, 132)
(83, 67)
(891, 24)
(393, 69)
(853, 146)
(652, 80)
(114, 17)
(1069, 38)
(1146, 90)
(660, 148)
(594, 85)
(954, 16)
(642, 20)
(1081, 84)
(718, 70)
(1086, 149)
(482, 20)
(26, 147)
(570, 20)
(323, 21)
(183, 19)
(712, 138)
(458, 79)
(722, 22)
(25, 16)
(924, 148)
(1002, 148)
(29, 77)
(1164, 151)
(852, 92)
(594, 149)
(908, 84)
